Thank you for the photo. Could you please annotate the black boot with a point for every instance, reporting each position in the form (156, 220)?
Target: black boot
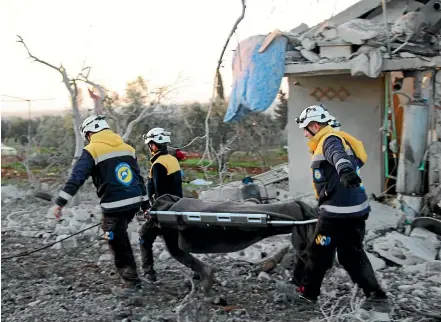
(149, 273)
(377, 301)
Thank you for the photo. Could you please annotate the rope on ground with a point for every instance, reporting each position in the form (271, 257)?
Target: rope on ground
(49, 245)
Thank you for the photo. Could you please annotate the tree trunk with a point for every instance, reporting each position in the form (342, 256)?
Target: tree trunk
(79, 142)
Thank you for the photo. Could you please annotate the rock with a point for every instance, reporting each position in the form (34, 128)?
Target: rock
(358, 31)
(377, 263)
(68, 243)
(406, 55)
(404, 250)
(263, 276)
(164, 256)
(360, 65)
(310, 55)
(308, 43)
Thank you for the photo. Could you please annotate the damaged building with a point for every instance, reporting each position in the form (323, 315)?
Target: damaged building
(375, 66)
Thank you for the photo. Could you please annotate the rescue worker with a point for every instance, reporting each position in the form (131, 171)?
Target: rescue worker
(343, 206)
(165, 178)
(120, 186)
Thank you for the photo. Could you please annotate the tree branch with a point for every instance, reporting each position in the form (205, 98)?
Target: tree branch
(218, 83)
(20, 40)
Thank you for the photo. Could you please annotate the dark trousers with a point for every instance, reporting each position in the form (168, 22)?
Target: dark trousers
(346, 236)
(115, 228)
(148, 233)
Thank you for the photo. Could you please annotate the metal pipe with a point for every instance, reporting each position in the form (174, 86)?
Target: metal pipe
(413, 148)
(295, 222)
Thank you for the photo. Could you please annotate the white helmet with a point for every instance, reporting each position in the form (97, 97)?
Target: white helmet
(157, 135)
(314, 113)
(334, 123)
(93, 123)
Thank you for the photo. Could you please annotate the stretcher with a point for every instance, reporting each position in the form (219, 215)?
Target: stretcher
(223, 227)
(239, 220)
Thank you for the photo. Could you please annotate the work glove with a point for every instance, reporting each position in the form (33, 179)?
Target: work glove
(350, 179)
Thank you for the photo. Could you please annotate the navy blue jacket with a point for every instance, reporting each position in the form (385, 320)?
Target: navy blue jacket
(332, 156)
(115, 174)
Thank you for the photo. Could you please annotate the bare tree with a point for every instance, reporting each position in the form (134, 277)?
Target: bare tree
(142, 104)
(71, 86)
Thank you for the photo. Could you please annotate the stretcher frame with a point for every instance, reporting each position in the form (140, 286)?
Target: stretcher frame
(196, 218)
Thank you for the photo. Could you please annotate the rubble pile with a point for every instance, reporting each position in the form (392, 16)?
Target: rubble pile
(73, 281)
(363, 42)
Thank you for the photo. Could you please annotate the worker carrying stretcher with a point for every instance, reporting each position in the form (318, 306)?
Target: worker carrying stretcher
(343, 206)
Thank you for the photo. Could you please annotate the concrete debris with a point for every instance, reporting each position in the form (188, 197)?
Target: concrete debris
(358, 31)
(368, 64)
(310, 55)
(308, 43)
(377, 263)
(293, 55)
(408, 37)
(299, 29)
(408, 24)
(335, 49)
(330, 34)
(406, 55)
(404, 250)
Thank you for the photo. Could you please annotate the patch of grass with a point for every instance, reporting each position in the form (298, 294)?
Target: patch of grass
(18, 166)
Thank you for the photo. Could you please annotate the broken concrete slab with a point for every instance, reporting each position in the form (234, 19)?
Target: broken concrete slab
(426, 235)
(358, 31)
(330, 34)
(360, 65)
(427, 268)
(333, 50)
(377, 263)
(404, 250)
(310, 55)
(308, 43)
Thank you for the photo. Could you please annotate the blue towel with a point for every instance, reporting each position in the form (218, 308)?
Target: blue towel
(256, 76)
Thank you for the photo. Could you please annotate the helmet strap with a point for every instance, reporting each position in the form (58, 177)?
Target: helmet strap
(309, 130)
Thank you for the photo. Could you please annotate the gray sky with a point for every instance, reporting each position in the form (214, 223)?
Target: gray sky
(157, 39)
